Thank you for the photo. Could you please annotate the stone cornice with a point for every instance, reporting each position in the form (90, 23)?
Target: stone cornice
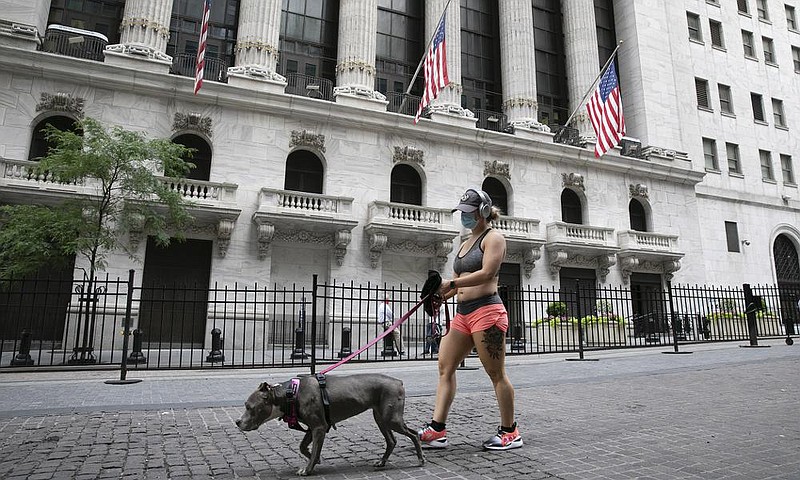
(538, 145)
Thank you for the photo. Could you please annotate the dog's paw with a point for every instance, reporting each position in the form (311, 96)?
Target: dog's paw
(303, 472)
(379, 464)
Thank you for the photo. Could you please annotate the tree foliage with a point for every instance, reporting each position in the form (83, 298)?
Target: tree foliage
(117, 173)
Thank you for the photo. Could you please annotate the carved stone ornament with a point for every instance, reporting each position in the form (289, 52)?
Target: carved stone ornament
(340, 242)
(60, 102)
(529, 257)
(408, 155)
(307, 139)
(572, 180)
(602, 263)
(638, 190)
(224, 232)
(136, 229)
(266, 232)
(630, 264)
(496, 169)
(192, 121)
(377, 244)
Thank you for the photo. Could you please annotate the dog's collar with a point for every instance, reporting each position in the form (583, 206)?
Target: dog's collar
(290, 407)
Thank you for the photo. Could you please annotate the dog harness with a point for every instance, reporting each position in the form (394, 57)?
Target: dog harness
(290, 408)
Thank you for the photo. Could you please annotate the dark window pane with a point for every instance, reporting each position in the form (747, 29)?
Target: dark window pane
(732, 236)
(571, 208)
(406, 186)
(638, 216)
(304, 172)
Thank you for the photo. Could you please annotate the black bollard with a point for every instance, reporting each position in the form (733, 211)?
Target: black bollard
(517, 340)
(388, 346)
(23, 358)
(136, 357)
(299, 344)
(216, 354)
(345, 349)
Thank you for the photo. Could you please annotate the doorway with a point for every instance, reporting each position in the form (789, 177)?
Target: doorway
(174, 299)
(787, 271)
(649, 307)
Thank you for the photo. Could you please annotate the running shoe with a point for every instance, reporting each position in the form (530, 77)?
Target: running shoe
(504, 440)
(431, 438)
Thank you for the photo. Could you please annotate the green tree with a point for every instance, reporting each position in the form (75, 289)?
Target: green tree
(118, 172)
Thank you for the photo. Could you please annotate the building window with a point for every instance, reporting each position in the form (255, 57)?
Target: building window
(732, 236)
(717, 39)
(777, 113)
(304, 172)
(40, 147)
(638, 216)
(747, 44)
(695, 33)
(551, 69)
(406, 185)
(725, 99)
(787, 170)
(734, 163)
(710, 154)
(758, 107)
(701, 87)
(796, 59)
(101, 16)
(571, 207)
(309, 38)
(761, 7)
(769, 50)
(399, 45)
(606, 33)
(480, 49)
(201, 158)
(743, 7)
(766, 165)
(184, 31)
(497, 192)
(791, 18)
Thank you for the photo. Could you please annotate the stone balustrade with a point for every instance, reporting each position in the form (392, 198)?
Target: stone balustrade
(277, 201)
(582, 234)
(517, 227)
(412, 215)
(202, 191)
(633, 240)
(24, 170)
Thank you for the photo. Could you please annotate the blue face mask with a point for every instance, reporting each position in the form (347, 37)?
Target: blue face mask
(468, 220)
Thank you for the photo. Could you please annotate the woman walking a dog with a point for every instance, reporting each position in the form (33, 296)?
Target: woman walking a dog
(481, 322)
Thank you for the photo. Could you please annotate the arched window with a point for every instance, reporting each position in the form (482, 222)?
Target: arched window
(39, 144)
(201, 157)
(571, 208)
(638, 216)
(304, 172)
(406, 185)
(497, 192)
(787, 266)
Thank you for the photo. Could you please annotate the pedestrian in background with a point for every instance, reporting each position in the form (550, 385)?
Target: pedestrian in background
(386, 318)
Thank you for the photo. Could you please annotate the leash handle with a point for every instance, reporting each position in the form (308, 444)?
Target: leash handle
(375, 340)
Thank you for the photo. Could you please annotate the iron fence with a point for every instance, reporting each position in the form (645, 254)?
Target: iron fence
(68, 323)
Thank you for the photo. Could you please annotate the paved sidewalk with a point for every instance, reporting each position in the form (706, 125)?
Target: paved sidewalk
(721, 412)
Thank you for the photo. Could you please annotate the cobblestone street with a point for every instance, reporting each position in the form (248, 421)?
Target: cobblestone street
(721, 412)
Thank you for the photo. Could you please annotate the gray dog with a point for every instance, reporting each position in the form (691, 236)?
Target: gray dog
(349, 395)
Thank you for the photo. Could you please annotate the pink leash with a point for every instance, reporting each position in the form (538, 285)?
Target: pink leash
(372, 342)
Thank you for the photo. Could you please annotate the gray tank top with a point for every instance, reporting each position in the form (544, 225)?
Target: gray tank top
(472, 261)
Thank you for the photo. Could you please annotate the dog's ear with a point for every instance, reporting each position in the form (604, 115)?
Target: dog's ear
(264, 387)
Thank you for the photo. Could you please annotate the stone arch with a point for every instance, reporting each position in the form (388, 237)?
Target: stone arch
(499, 190)
(573, 206)
(407, 184)
(38, 145)
(305, 171)
(201, 157)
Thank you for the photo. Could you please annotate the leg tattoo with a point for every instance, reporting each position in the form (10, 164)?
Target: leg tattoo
(493, 338)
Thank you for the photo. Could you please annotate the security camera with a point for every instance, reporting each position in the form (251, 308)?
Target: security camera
(746, 243)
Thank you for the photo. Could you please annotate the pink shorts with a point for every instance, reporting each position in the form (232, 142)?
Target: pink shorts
(482, 319)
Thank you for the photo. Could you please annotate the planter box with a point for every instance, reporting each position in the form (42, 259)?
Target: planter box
(602, 334)
(562, 336)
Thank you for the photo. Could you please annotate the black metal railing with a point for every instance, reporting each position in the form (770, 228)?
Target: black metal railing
(309, 86)
(567, 136)
(53, 322)
(494, 121)
(397, 104)
(185, 65)
(74, 42)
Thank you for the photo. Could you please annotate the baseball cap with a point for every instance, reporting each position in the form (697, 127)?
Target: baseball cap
(470, 201)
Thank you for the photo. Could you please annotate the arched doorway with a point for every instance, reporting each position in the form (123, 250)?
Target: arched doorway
(571, 207)
(304, 172)
(787, 272)
(40, 147)
(201, 158)
(497, 192)
(406, 185)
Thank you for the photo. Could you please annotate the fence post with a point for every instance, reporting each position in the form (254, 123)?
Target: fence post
(750, 309)
(23, 358)
(126, 332)
(136, 357)
(216, 355)
(675, 321)
(313, 324)
(580, 326)
(300, 334)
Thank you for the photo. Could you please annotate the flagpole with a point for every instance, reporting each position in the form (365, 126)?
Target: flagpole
(591, 88)
(424, 54)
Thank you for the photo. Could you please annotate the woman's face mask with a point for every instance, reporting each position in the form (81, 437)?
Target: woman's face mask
(468, 220)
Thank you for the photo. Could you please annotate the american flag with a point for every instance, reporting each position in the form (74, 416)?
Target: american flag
(201, 48)
(605, 112)
(435, 70)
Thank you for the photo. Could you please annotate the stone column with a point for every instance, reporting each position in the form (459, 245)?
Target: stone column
(583, 60)
(257, 47)
(518, 62)
(449, 100)
(144, 32)
(355, 67)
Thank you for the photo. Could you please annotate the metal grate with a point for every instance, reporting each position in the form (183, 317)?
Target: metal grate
(787, 266)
